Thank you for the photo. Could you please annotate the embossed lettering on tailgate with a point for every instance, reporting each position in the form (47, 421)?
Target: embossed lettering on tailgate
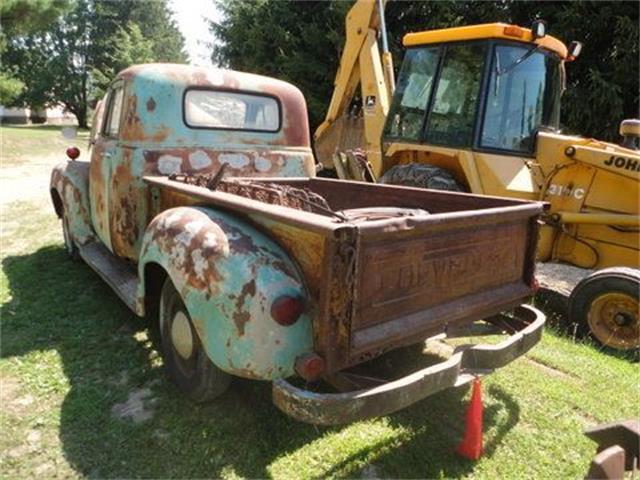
(399, 277)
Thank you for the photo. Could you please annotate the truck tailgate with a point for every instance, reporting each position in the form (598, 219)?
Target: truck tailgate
(415, 284)
(411, 277)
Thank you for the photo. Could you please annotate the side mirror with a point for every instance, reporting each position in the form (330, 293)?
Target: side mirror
(538, 29)
(574, 50)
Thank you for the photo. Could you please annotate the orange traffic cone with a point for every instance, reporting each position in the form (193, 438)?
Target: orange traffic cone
(471, 446)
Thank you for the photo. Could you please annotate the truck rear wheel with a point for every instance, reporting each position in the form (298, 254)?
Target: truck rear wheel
(186, 362)
(421, 175)
(605, 305)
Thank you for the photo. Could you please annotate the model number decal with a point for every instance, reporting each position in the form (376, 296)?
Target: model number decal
(565, 191)
(623, 162)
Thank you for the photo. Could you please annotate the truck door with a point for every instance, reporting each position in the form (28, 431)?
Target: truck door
(103, 157)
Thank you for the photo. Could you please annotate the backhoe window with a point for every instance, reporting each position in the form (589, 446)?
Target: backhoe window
(452, 117)
(412, 94)
(521, 97)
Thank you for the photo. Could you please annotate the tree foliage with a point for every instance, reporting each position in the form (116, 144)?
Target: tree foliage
(295, 41)
(10, 88)
(23, 17)
(73, 61)
(28, 16)
(301, 42)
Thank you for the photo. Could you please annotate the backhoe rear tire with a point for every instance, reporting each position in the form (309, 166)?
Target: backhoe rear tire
(605, 306)
(185, 359)
(421, 175)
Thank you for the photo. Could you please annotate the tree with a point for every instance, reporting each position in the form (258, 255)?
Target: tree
(301, 41)
(10, 88)
(295, 41)
(79, 55)
(23, 17)
(28, 16)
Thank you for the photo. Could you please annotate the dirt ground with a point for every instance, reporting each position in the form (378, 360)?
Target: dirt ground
(28, 181)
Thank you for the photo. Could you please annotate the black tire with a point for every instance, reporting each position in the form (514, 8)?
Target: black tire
(421, 175)
(604, 305)
(194, 374)
(327, 173)
(69, 245)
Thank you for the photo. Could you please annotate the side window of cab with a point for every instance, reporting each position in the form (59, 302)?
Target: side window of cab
(96, 123)
(113, 112)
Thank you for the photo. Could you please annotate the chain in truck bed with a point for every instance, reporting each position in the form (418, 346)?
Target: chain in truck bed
(272, 193)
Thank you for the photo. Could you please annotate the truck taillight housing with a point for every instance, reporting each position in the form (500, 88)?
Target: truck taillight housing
(286, 309)
(310, 366)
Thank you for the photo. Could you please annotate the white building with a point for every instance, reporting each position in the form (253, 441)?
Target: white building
(52, 116)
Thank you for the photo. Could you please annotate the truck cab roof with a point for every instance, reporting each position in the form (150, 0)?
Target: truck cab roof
(184, 105)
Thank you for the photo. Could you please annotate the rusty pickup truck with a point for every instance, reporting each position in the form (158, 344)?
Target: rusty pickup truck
(199, 206)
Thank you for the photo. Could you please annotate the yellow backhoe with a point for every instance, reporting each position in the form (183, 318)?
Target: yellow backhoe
(477, 109)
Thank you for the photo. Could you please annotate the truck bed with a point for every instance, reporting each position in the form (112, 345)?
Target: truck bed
(382, 281)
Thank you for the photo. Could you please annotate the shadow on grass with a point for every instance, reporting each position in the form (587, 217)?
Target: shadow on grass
(62, 305)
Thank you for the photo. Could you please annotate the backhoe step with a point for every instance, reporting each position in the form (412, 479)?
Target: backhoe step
(119, 274)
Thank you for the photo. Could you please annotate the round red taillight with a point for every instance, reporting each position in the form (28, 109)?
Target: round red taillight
(73, 152)
(310, 366)
(286, 309)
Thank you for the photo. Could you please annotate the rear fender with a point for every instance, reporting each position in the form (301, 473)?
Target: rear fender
(228, 275)
(69, 188)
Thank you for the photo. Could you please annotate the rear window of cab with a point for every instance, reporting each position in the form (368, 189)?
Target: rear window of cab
(226, 110)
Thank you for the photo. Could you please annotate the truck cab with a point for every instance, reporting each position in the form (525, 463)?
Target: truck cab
(166, 119)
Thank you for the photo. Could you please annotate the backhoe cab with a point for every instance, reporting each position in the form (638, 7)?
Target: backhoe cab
(486, 87)
(477, 109)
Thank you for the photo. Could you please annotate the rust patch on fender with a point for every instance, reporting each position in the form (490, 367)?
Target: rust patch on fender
(151, 104)
(193, 242)
(240, 316)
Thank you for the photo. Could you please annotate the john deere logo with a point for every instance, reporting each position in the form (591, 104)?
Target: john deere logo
(623, 162)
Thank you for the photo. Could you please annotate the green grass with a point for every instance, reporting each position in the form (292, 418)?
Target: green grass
(70, 351)
(19, 143)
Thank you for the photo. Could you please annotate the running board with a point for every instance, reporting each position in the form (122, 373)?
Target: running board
(119, 274)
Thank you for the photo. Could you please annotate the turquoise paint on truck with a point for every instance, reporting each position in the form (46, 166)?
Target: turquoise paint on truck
(69, 191)
(228, 275)
(107, 200)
